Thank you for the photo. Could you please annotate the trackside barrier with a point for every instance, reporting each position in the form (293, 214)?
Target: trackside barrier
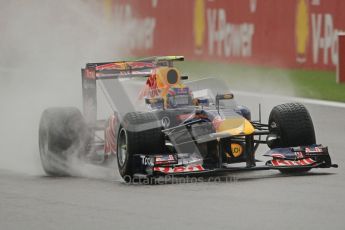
(293, 34)
(341, 58)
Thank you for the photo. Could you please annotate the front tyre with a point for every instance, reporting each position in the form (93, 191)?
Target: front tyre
(139, 133)
(292, 124)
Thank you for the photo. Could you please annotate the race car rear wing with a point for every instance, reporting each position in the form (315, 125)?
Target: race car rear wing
(163, 58)
(153, 59)
(124, 69)
(116, 70)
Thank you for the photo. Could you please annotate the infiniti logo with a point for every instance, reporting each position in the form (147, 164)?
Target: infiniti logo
(165, 122)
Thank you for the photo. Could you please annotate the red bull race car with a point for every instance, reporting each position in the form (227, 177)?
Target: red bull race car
(173, 126)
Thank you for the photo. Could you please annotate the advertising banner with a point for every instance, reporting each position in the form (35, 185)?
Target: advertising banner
(341, 61)
(291, 34)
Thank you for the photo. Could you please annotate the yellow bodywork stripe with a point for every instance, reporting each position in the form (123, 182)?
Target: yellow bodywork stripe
(236, 126)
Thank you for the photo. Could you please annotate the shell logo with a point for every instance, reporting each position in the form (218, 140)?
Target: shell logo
(199, 25)
(108, 7)
(236, 149)
(302, 30)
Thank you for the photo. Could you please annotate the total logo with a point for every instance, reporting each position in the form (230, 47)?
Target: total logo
(317, 28)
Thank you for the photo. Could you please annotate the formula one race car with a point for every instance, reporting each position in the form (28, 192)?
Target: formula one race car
(173, 127)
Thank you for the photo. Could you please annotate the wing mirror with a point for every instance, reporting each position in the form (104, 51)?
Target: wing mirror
(220, 97)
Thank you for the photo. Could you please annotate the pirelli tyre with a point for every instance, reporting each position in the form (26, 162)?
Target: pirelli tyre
(139, 133)
(292, 125)
(63, 133)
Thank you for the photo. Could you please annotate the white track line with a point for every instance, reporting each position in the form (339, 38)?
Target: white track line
(295, 99)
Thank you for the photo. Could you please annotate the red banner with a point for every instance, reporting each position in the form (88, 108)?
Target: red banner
(293, 34)
(341, 61)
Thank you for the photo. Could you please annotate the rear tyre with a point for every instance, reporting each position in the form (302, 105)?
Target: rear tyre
(292, 124)
(62, 133)
(139, 133)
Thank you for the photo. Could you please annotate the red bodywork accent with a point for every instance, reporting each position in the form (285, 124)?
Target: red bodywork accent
(110, 136)
(183, 117)
(190, 168)
(150, 89)
(90, 74)
(217, 121)
(170, 159)
(280, 162)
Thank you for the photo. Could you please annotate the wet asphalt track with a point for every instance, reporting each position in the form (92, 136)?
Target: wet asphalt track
(255, 200)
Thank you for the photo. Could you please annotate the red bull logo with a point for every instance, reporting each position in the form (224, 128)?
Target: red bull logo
(124, 66)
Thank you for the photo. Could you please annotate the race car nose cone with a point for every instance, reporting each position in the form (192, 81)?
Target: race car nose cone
(236, 126)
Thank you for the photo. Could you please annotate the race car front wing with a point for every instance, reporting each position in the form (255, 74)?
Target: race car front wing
(182, 164)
